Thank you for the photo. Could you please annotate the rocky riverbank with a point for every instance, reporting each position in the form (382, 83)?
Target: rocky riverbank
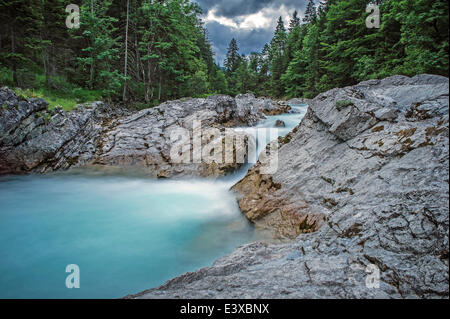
(362, 188)
(35, 139)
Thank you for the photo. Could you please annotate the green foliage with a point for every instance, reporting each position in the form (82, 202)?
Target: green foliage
(233, 58)
(310, 12)
(67, 101)
(342, 104)
(219, 82)
(165, 44)
(338, 49)
(278, 59)
(295, 22)
(197, 84)
(145, 52)
(102, 50)
(6, 76)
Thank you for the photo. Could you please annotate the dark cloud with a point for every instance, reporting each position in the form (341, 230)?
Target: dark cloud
(249, 40)
(232, 8)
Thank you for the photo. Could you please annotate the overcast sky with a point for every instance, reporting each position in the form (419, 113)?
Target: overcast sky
(251, 22)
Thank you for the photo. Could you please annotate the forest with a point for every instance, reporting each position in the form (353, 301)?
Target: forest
(331, 46)
(143, 52)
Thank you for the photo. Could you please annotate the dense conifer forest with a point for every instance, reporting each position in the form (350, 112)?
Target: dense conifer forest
(143, 52)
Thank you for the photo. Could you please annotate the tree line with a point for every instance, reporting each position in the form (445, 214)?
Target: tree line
(131, 50)
(331, 46)
(150, 51)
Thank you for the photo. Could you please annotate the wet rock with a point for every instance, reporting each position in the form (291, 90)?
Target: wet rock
(371, 180)
(98, 135)
(280, 123)
(263, 105)
(297, 101)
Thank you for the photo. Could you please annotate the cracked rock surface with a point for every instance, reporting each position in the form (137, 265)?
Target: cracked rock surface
(35, 139)
(362, 187)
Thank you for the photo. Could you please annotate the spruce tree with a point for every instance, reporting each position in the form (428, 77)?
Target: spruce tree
(278, 63)
(233, 57)
(310, 12)
(163, 49)
(295, 21)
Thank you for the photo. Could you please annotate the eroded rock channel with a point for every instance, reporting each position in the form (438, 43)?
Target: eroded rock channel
(362, 181)
(367, 170)
(34, 139)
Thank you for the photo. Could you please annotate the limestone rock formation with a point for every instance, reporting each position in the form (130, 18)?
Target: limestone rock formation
(35, 139)
(265, 106)
(362, 187)
(295, 101)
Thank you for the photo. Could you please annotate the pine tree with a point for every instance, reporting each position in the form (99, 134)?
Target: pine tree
(219, 82)
(295, 21)
(243, 78)
(278, 63)
(102, 47)
(125, 72)
(164, 53)
(279, 40)
(310, 13)
(293, 77)
(20, 27)
(424, 33)
(344, 40)
(233, 57)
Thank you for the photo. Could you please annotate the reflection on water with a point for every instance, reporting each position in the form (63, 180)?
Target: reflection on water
(126, 233)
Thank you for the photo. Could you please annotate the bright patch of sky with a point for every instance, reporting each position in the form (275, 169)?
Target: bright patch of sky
(251, 22)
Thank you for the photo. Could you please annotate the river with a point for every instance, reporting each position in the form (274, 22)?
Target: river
(125, 233)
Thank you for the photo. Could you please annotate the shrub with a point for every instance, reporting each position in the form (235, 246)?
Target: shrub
(340, 105)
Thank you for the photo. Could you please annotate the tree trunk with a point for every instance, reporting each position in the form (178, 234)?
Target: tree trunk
(46, 60)
(159, 92)
(124, 97)
(13, 50)
(149, 91)
(139, 65)
(92, 70)
(47, 69)
(54, 62)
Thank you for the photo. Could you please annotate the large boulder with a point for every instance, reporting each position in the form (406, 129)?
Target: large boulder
(35, 139)
(143, 139)
(280, 123)
(262, 105)
(102, 136)
(362, 188)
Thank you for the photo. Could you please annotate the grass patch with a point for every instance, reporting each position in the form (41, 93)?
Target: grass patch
(59, 92)
(342, 104)
(59, 99)
(6, 77)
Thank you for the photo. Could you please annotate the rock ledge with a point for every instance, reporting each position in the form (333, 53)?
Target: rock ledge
(362, 185)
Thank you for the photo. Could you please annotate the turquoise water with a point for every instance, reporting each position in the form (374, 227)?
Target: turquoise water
(290, 119)
(125, 233)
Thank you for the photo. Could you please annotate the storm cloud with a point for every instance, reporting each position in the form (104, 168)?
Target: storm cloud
(233, 8)
(249, 40)
(250, 22)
